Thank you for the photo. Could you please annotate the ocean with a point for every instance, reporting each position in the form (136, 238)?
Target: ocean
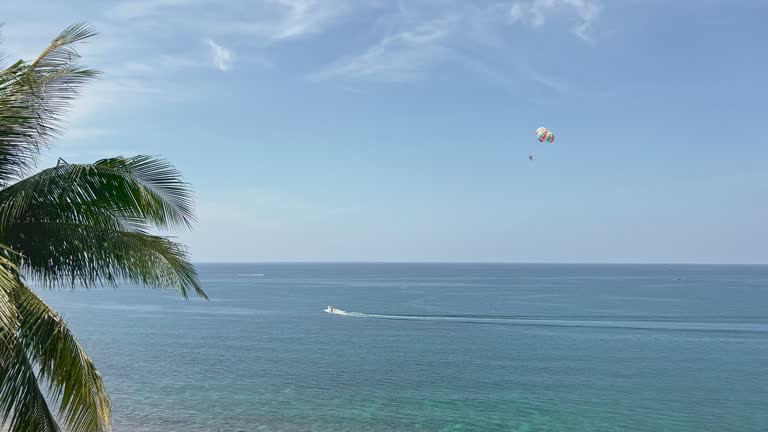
(435, 347)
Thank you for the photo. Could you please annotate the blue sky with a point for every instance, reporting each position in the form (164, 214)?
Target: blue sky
(383, 130)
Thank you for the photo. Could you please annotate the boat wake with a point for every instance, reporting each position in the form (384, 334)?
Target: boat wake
(635, 323)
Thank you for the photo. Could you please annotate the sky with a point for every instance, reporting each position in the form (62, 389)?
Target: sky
(385, 130)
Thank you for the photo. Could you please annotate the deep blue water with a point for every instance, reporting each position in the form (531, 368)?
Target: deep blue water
(449, 347)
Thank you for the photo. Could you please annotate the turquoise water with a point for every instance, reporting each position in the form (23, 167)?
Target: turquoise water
(436, 347)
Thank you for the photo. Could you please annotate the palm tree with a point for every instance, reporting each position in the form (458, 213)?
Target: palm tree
(73, 224)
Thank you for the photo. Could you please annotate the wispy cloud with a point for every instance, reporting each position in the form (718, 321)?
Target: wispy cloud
(307, 16)
(279, 20)
(103, 94)
(397, 57)
(221, 57)
(425, 35)
(536, 13)
(98, 100)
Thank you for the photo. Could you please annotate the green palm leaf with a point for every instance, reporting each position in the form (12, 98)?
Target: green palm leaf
(69, 253)
(22, 403)
(136, 190)
(73, 381)
(33, 98)
(88, 223)
(73, 223)
(9, 318)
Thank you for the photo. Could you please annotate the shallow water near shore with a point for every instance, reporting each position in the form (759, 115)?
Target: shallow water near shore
(435, 347)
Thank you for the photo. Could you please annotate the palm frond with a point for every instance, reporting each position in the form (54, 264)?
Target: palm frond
(97, 216)
(74, 383)
(74, 223)
(33, 98)
(58, 253)
(140, 190)
(156, 186)
(23, 407)
(60, 50)
(9, 317)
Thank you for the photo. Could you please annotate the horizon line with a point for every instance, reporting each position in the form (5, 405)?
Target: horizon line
(484, 263)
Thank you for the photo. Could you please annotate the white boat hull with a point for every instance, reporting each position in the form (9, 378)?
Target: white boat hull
(334, 311)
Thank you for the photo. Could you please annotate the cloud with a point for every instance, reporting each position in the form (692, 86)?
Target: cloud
(397, 57)
(425, 35)
(279, 20)
(100, 95)
(85, 117)
(307, 16)
(536, 13)
(268, 19)
(222, 57)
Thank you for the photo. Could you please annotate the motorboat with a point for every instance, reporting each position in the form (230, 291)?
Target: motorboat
(333, 310)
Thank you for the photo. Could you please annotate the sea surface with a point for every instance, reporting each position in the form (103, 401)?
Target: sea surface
(435, 347)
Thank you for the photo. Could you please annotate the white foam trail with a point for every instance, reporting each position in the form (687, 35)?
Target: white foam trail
(552, 322)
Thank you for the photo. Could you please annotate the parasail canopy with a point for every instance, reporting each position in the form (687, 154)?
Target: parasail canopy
(545, 134)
